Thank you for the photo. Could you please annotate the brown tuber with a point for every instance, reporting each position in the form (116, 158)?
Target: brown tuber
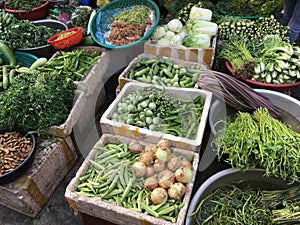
(164, 144)
(166, 178)
(158, 166)
(158, 195)
(151, 183)
(146, 157)
(174, 163)
(139, 169)
(135, 146)
(184, 174)
(176, 191)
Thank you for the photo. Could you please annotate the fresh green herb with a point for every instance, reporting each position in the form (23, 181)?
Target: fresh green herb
(260, 141)
(250, 8)
(23, 4)
(234, 205)
(135, 15)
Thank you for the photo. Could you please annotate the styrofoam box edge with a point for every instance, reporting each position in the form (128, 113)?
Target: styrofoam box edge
(112, 212)
(110, 126)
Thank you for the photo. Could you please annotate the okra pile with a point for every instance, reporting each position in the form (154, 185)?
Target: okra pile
(158, 110)
(112, 177)
(164, 72)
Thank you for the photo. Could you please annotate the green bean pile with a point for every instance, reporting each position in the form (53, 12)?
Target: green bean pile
(109, 178)
(72, 65)
(158, 110)
(234, 205)
(260, 141)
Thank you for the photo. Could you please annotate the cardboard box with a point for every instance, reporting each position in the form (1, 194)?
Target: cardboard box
(122, 80)
(203, 56)
(113, 127)
(29, 193)
(111, 212)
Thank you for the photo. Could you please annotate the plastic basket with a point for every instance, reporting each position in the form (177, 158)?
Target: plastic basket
(284, 88)
(68, 41)
(243, 17)
(101, 21)
(23, 59)
(36, 13)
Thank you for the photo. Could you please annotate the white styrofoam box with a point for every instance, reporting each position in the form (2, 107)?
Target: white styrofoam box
(112, 213)
(114, 127)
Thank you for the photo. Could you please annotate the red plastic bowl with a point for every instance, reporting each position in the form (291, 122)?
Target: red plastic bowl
(256, 84)
(68, 41)
(36, 13)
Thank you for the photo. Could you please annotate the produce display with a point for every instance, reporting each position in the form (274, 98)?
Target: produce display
(250, 8)
(229, 26)
(157, 110)
(42, 96)
(164, 72)
(150, 179)
(14, 149)
(268, 60)
(23, 4)
(155, 179)
(232, 204)
(23, 33)
(259, 140)
(196, 33)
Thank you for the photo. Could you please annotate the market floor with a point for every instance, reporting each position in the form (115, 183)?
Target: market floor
(56, 211)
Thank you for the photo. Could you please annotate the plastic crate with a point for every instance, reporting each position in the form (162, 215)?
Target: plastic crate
(23, 59)
(101, 21)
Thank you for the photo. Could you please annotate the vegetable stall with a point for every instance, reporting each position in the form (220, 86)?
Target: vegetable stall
(147, 93)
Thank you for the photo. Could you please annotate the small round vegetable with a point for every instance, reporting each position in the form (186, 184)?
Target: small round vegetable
(184, 174)
(174, 163)
(158, 165)
(175, 25)
(176, 190)
(186, 163)
(139, 169)
(158, 195)
(164, 143)
(146, 157)
(150, 171)
(150, 147)
(163, 155)
(166, 178)
(135, 146)
(151, 183)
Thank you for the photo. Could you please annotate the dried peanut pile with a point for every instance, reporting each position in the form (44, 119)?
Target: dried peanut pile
(14, 149)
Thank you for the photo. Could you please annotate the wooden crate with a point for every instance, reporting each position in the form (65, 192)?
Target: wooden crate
(111, 212)
(29, 193)
(122, 80)
(203, 56)
(114, 127)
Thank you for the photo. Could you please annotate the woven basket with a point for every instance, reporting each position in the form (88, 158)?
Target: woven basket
(23, 59)
(101, 21)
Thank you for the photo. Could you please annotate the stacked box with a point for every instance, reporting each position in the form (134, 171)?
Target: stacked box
(113, 127)
(29, 193)
(122, 80)
(111, 212)
(199, 55)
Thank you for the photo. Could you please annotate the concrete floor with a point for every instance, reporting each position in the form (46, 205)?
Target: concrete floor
(55, 212)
